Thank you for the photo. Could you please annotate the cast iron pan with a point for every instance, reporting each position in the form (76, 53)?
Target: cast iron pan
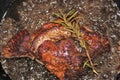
(4, 8)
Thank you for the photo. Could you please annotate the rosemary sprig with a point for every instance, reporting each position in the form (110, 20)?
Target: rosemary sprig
(86, 63)
(71, 22)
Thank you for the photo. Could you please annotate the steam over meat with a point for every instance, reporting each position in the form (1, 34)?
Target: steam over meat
(54, 46)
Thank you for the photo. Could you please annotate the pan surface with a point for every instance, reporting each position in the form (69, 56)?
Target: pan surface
(102, 16)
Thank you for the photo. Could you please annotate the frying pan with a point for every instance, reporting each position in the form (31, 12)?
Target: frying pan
(4, 5)
(4, 8)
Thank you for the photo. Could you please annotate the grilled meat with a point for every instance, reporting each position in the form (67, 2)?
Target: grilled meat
(56, 48)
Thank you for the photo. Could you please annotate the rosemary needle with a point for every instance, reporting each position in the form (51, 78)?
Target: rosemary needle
(71, 20)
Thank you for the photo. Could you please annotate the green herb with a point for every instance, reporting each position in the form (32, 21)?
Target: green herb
(71, 21)
(86, 64)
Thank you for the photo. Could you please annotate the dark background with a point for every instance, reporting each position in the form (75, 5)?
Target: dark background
(4, 6)
(118, 3)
